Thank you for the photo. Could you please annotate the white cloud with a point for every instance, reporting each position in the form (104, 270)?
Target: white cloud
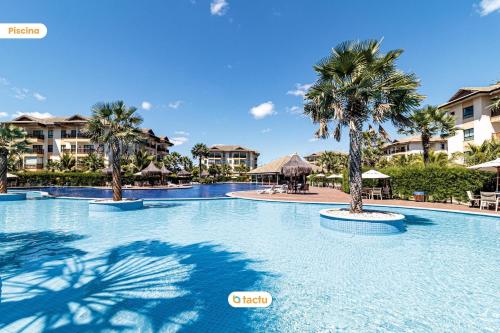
(179, 140)
(219, 7)
(265, 130)
(33, 114)
(146, 105)
(295, 110)
(263, 110)
(175, 104)
(181, 133)
(489, 6)
(4, 81)
(39, 97)
(300, 89)
(3, 114)
(20, 93)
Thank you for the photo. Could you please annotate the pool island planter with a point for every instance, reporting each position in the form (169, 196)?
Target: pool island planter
(108, 205)
(11, 196)
(370, 222)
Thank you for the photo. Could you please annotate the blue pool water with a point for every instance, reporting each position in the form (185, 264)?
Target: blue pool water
(196, 191)
(170, 268)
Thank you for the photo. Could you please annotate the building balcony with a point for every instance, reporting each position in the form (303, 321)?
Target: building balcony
(37, 151)
(38, 166)
(74, 136)
(35, 136)
(79, 151)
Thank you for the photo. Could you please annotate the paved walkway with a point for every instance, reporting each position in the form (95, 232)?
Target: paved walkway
(328, 195)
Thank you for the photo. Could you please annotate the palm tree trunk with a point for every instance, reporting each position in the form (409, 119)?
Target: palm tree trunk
(199, 165)
(355, 181)
(117, 176)
(3, 170)
(426, 146)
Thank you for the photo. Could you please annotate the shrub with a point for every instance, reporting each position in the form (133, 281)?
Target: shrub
(439, 183)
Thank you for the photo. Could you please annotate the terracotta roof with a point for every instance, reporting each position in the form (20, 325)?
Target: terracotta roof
(275, 166)
(467, 92)
(230, 148)
(413, 139)
(49, 120)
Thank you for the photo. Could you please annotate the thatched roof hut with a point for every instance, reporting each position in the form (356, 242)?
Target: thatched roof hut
(151, 170)
(183, 173)
(165, 171)
(276, 167)
(296, 167)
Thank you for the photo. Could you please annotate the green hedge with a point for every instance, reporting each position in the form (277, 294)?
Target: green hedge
(440, 183)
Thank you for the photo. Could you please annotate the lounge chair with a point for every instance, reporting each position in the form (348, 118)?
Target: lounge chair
(270, 190)
(282, 189)
(376, 192)
(488, 199)
(474, 200)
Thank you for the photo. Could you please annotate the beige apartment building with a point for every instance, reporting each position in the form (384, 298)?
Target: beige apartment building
(50, 138)
(232, 156)
(413, 145)
(476, 121)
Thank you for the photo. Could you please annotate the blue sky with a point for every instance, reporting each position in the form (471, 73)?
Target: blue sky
(196, 69)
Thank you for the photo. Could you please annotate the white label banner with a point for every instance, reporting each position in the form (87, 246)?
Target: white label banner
(22, 30)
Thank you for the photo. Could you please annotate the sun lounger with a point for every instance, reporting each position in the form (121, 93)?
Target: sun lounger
(271, 190)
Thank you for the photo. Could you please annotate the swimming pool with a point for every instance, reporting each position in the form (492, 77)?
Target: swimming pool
(170, 267)
(196, 191)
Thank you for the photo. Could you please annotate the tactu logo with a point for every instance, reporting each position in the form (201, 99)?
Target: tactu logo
(249, 299)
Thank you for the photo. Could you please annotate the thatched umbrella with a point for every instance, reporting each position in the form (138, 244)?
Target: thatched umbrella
(151, 170)
(183, 173)
(165, 171)
(296, 167)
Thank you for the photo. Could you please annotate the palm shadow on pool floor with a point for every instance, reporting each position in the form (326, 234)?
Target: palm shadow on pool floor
(146, 286)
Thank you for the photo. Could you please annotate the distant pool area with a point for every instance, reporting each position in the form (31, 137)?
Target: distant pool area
(171, 266)
(196, 191)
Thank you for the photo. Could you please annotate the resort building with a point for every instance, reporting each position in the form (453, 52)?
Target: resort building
(314, 157)
(232, 156)
(476, 121)
(271, 173)
(50, 138)
(413, 145)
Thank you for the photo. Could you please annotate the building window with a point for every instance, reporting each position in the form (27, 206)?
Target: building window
(468, 112)
(469, 134)
(443, 146)
(50, 133)
(50, 148)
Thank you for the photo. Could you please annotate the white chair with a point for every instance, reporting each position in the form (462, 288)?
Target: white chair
(474, 200)
(488, 199)
(271, 190)
(376, 192)
(282, 189)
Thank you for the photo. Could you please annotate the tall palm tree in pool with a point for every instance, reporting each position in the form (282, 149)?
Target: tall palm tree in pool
(200, 151)
(358, 84)
(12, 141)
(430, 121)
(116, 125)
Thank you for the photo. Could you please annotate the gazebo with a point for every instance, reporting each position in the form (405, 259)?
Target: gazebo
(183, 174)
(272, 172)
(151, 170)
(164, 173)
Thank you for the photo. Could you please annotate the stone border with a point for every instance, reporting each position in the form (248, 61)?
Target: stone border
(13, 196)
(331, 213)
(234, 195)
(108, 205)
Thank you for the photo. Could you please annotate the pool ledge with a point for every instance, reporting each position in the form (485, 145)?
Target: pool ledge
(108, 205)
(11, 196)
(235, 195)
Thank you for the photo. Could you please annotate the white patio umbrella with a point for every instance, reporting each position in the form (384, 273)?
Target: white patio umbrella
(320, 175)
(334, 176)
(10, 175)
(374, 174)
(493, 166)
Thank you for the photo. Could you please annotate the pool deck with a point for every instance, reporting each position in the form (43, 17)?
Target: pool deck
(328, 195)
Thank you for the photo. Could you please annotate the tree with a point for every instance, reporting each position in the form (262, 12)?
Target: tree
(114, 124)
(333, 161)
(241, 168)
(430, 121)
(141, 159)
(372, 147)
(186, 163)
(53, 165)
(67, 162)
(200, 151)
(225, 170)
(358, 84)
(477, 154)
(172, 162)
(214, 170)
(93, 162)
(12, 141)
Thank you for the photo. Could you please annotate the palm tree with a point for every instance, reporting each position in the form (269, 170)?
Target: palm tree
(372, 146)
(186, 163)
(12, 141)
(333, 161)
(200, 151)
(487, 151)
(358, 84)
(93, 162)
(114, 124)
(67, 162)
(430, 121)
(141, 159)
(172, 162)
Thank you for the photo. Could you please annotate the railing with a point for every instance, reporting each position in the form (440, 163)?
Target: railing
(35, 151)
(34, 166)
(35, 136)
(74, 136)
(79, 150)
